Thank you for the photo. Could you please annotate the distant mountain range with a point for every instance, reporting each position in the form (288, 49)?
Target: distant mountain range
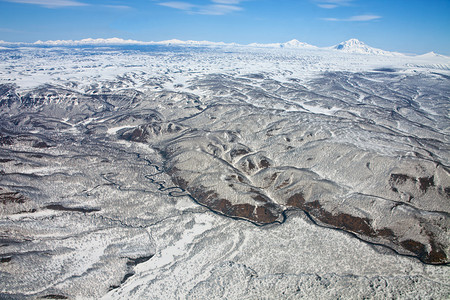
(291, 44)
(350, 46)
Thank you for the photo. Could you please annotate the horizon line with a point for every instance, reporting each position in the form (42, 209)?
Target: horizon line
(291, 44)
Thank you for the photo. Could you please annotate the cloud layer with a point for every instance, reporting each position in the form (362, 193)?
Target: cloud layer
(329, 4)
(51, 3)
(216, 7)
(360, 18)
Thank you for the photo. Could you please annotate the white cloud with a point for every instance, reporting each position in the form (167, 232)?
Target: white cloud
(120, 7)
(217, 7)
(51, 3)
(329, 4)
(360, 18)
(227, 1)
(364, 18)
(178, 5)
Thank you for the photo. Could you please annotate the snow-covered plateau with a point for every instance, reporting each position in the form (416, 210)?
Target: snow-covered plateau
(197, 170)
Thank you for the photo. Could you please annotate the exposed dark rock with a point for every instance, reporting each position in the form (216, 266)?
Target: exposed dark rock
(136, 135)
(54, 297)
(421, 183)
(414, 246)
(401, 178)
(59, 207)
(251, 166)
(132, 262)
(385, 232)
(296, 200)
(125, 278)
(41, 144)
(11, 197)
(238, 152)
(5, 259)
(264, 214)
(264, 164)
(135, 261)
(242, 210)
(426, 182)
(6, 140)
(389, 70)
(147, 132)
(447, 191)
(364, 227)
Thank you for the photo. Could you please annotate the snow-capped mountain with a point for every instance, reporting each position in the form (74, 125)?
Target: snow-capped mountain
(192, 43)
(291, 44)
(350, 46)
(89, 41)
(119, 41)
(356, 46)
(297, 44)
(433, 55)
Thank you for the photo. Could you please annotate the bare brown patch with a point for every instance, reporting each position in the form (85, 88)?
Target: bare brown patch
(263, 164)
(243, 211)
(400, 178)
(414, 246)
(238, 152)
(364, 227)
(264, 215)
(11, 197)
(385, 232)
(296, 200)
(426, 182)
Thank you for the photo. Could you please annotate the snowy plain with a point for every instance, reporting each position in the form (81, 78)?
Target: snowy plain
(194, 171)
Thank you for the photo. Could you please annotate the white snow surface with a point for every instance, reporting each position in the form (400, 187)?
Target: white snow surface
(39, 66)
(188, 251)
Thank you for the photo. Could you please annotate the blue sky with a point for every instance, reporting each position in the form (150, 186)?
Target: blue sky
(411, 26)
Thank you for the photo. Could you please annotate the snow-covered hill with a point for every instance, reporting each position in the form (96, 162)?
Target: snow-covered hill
(356, 46)
(433, 55)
